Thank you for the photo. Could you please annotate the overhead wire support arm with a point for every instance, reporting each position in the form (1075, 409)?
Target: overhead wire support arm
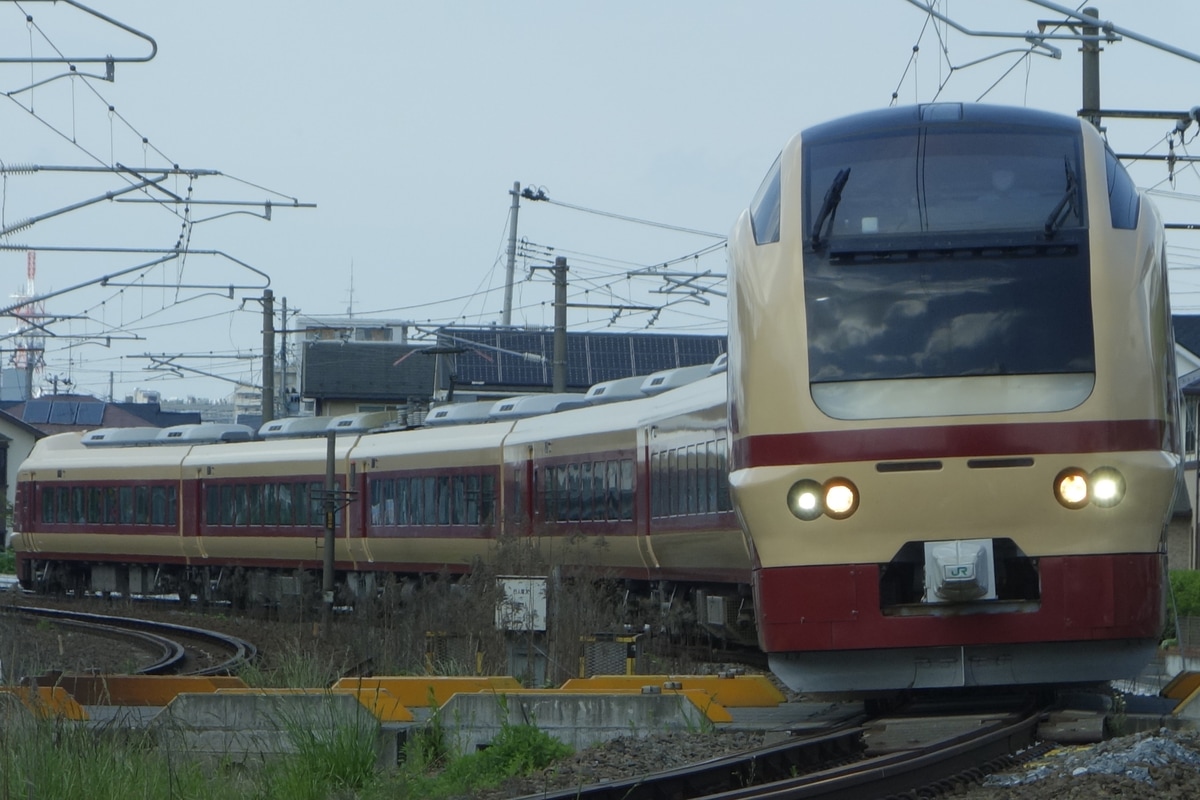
(1109, 28)
(105, 59)
(1037, 40)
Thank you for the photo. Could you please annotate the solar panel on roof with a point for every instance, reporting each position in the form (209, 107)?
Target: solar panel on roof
(62, 412)
(524, 358)
(90, 414)
(37, 412)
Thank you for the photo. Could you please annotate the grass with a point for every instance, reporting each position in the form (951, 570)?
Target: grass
(57, 760)
(8, 562)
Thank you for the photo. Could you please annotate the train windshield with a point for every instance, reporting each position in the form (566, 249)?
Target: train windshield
(927, 180)
(920, 272)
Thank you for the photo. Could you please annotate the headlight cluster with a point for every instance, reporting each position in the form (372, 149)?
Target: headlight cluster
(1075, 488)
(836, 498)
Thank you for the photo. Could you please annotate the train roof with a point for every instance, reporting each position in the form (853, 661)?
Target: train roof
(532, 405)
(459, 413)
(294, 426)
(616, 390)
(940, 113)
(204, 433)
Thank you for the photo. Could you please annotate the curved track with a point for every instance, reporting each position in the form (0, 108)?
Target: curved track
(836, 765)
(182, 650)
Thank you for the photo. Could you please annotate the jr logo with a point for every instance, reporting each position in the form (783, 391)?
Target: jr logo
(960, 572)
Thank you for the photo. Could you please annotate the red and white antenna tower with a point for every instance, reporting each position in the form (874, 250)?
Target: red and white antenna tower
(31, 343)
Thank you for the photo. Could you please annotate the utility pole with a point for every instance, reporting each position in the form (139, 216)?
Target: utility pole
(330, 518)
(506, 317)
(560, 324)
(268, 390)
(283, 373)
(1091, 69)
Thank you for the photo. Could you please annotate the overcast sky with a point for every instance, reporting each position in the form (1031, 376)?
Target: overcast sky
(406, 125)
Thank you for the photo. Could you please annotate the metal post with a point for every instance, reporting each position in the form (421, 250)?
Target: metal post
(283, 373)
(560, 324)
(330, 514)
(268, 390)
(506, 318)
(1091, 70)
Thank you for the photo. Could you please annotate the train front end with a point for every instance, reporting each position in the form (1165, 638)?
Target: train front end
(952, 403)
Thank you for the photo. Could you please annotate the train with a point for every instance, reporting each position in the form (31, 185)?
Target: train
(953, 412)
(941, 450)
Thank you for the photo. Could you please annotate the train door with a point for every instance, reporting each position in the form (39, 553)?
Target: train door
(27, 496)
(358, 513)
(643, 488)
(190, 515)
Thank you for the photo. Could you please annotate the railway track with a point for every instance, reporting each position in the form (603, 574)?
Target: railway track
(916, 757)
(172, 649)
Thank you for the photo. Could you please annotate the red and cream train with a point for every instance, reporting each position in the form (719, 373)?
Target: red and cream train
(943, 452)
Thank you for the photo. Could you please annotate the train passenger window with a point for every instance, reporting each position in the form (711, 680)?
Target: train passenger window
(62, 504)
(429, 487)
(316, 503)
(487, 500)
(287, 515)
(627, 488)
(458, 500)
(254, 500)
(241, 506)
(158, 505)
(416, 497)
(78, 506)
(402, 501)
(585, 491)
(48, 505)
(271, 504)
(388, 500)
(376, 491)
(226, 508)
(95, 505)
(301, 504)
(764, 208)
(471, 499)
(111, 505)
(614, 490)
(574, 498)
(141, 505)
(125, 500)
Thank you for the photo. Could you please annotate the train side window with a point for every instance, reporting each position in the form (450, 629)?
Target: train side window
(574, 493)
(598, 490)
(141, 505)
(388, 500)
(1123, 200)
(614, 490)
(254, 500)
(626, 488)
(471, 499)
(95, 505)
(487, 500)
(764, 208)
(431, 509)
(125, 493)
(226, 504)
(458, 500)
(48, 505)
(271, 504)
(415, 497)
(172, 505)
(241, 505)
(112, 506)
(402, 501)
(315, 506)
(302, 504)
(158, 505)
(78, 506)
(286, 515)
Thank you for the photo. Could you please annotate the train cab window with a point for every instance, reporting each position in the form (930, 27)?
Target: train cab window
(936, 179)
(764, 209)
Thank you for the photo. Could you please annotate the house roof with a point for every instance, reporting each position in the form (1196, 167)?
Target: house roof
(62, 413)
(1187, 332)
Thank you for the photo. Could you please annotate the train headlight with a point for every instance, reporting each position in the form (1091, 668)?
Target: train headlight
(841, 498)
(1071, 488)
(1108, 487)
(804, 500)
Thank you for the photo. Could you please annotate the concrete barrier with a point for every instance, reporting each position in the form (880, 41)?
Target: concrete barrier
(472, 721)
(232, 728)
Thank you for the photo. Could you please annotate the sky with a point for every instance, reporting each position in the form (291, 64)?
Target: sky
(387, 136)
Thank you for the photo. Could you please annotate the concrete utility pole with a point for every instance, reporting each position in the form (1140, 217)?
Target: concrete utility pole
(1091, 69)
(283, 373)
(330, 517)
(268, 390)
(506, 317)
(560, 324)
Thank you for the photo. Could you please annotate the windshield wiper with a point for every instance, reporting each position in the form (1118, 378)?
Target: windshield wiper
(833, 196)
(1068, 203)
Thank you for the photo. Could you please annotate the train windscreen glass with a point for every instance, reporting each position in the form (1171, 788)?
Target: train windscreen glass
(946, 252)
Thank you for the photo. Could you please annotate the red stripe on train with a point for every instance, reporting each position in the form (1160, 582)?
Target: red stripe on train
(949, 441)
